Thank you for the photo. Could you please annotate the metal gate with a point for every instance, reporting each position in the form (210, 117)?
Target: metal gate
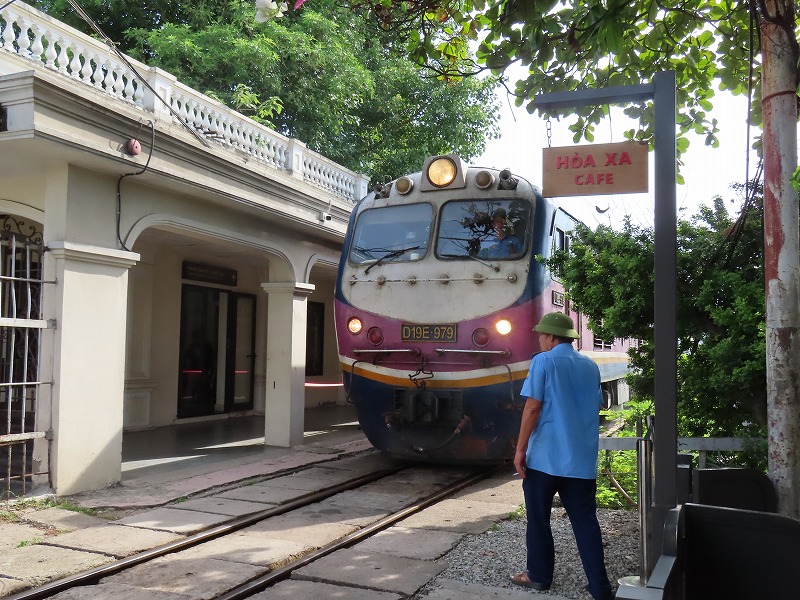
(21, 324)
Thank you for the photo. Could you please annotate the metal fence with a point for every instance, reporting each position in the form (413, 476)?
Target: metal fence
(21, 324)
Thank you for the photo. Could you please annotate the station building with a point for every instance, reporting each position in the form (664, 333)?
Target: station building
(164, 259)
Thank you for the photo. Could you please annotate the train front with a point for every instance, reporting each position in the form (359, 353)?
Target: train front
(435, 301)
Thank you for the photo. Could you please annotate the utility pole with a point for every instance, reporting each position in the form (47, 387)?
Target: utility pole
(781, 248)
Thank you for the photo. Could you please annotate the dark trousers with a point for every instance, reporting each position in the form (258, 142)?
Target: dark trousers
(578, 498)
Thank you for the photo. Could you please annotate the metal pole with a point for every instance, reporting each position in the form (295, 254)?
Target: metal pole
(644, 464)
(665, 438)
(665, 435)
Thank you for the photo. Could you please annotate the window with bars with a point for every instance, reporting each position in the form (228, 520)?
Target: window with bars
(21, 284)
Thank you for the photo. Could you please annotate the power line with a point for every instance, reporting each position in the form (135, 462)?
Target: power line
(113, 47)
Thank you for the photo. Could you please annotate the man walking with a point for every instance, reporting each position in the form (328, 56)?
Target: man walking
(557, 453)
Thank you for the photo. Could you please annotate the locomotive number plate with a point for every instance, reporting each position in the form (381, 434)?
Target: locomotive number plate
(428, 333)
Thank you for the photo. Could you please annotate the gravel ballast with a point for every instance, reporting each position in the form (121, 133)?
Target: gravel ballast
(492, 557)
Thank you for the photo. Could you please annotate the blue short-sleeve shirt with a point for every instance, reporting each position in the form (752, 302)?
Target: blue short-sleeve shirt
(564, 442)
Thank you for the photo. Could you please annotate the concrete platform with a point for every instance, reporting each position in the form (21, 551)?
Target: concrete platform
(112, 540)
(250, 547)
(161, 466)
(176, 521)
(38, 564)
(199, 578)
(117, 591)
(297, 590)
(373, 571)
(460, 516)
(165, 464)
(421, 544)
(207, 473)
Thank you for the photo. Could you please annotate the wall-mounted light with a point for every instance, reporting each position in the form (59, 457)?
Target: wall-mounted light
(133, 147)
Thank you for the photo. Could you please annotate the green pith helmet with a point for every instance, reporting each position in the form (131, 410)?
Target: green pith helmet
(556, 323)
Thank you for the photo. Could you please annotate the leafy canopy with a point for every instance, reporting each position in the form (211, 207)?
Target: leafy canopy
(609, 274)
(710, 44)
(322, 75)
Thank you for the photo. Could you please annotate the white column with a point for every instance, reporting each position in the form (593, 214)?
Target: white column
(286, 362)
(86, 363)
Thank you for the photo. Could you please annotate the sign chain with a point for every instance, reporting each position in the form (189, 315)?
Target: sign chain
(549, 126)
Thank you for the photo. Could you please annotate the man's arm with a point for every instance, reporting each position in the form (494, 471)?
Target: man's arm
(530, 417)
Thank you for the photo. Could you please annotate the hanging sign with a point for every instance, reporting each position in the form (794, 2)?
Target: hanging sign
(209, 274)
(595, 169)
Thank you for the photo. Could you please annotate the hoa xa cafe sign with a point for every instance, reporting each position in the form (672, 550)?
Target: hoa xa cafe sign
(595, 169)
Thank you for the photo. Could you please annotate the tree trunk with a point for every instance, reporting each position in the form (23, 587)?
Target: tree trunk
(781, 250)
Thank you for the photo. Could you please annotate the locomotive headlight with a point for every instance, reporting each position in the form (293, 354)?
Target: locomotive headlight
(354, 325)
(442, 172)
(404, 185)
(503, 327)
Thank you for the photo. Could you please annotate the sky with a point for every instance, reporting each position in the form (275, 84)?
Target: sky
(708, 171)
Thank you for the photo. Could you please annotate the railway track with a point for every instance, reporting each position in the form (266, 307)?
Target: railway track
(269, 545)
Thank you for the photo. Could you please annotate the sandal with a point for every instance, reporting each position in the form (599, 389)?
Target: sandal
(523, 580)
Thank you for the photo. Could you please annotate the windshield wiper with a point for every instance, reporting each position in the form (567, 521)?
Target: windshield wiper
(392, 254)
(495, 268)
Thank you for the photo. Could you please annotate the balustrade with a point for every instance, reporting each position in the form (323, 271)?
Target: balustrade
(34, 36)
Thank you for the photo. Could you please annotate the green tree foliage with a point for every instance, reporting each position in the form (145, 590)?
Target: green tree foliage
(564, 46)
(608, 275)
(322, 75)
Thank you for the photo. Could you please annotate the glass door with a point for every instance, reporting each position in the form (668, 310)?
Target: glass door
(217, 352)
(241, 354)
(197, 381)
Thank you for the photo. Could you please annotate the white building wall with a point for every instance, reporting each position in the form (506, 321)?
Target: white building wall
(116, 258)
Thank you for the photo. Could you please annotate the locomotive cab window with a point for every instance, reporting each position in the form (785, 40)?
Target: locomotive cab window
(561, 240)
(392, 234)
(492, 229)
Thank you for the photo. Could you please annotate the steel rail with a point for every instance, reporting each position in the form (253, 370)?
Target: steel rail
(91, 576)
(260, 583)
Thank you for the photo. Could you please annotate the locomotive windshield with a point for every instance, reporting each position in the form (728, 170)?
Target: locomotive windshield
(496, 229)
(392, 234)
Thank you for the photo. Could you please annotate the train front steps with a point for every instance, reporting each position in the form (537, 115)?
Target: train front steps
(713, 552)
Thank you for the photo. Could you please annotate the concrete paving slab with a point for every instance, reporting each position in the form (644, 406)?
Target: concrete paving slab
(313, 479)
(330, 511)
(371, 570)
(63, 520)
(423, 544)
(385, 502)
(250, 547)
(12, 586)
(365, 462)
(146, 492)
(297, 590)
(116, 591)
(432, 474)
(200, 579)
(505, 488)
(414, 490)
(466, 516)
(220, 506)
(14, 534)
(446, 589)
(264, 494)
(176, 521)
(297, 529)
(117, 540)
(39, 564)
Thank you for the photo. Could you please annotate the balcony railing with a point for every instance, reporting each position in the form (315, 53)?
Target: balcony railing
(34, 36)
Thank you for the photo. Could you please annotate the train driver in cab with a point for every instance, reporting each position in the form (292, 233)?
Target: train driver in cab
(505, 243)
